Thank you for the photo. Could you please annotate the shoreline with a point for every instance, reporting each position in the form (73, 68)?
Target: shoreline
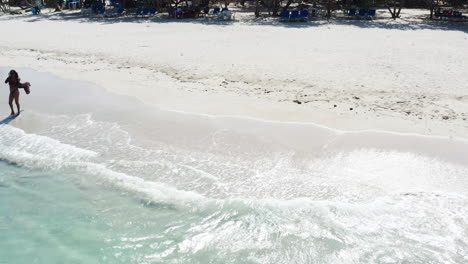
(148, 124)
(229, 105)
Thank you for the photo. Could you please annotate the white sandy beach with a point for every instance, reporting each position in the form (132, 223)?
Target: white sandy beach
(404, 76)
(141, 141)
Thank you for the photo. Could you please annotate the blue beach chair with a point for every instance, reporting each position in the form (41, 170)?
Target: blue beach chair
(72, 4)
(178, 13)
(294, 16)
(145, 12)
(153, 11)
(304, 16)
(98, 11)
(226, 14)
(36, 10)
(216, 11)
(137, 12)
(351, 12)
(362, 13)
(101, 10)
(119, 12)
(284, 16)
(371, 14)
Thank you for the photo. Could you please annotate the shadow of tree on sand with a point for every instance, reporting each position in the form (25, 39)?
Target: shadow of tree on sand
(418, 23)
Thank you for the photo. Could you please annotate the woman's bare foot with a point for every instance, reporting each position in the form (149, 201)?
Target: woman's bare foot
(12, 113)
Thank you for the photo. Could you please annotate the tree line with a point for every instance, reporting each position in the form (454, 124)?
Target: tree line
(271, 7)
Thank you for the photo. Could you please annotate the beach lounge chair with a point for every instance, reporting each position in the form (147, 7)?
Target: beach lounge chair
(145, 12)
(178, 13)
(95, 8)
(362, 13)
(137, 12)
(371, 14)
(101, 10)
(72, 4)
(294, 16)
(312, 12)
(351, 12)
(304, 15)
(153, 11)
(120, 12)
(226, 14)
(216, 11)
(457, 14)
(36, 10)
(98, 10)
(284, 16)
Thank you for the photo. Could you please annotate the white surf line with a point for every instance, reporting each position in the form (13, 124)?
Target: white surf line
(201, 173)
(311, 124)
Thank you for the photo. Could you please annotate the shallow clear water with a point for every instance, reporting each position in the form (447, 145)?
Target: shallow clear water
(89, 177)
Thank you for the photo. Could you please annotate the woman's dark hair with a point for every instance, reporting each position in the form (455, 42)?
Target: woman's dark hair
(14, 74)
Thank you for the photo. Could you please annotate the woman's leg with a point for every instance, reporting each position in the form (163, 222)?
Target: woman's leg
(10, 102)
(17, 101)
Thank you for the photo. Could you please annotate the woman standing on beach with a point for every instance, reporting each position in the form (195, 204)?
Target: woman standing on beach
(14, 81)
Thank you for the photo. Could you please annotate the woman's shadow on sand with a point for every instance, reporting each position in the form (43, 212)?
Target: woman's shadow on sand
(8, 119)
